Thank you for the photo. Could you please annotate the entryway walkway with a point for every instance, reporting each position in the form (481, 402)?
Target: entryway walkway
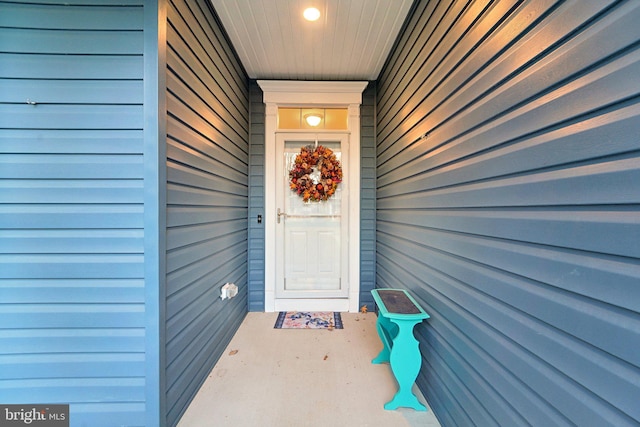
(288, 377)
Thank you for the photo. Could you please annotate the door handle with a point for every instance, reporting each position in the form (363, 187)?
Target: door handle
(280, 213)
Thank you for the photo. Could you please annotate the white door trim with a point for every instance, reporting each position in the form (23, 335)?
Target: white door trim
(312, 94)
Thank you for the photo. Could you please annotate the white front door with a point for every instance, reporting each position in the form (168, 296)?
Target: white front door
(312, 253)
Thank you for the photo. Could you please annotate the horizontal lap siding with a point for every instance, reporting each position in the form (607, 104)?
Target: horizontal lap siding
(207, 197)
(71, 209)
(256, 200)
(367, 196)
(507, 202)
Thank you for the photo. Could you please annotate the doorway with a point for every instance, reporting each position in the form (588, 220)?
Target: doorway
(312, 249)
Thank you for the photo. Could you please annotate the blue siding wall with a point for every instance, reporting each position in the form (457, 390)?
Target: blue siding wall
(508, 203)
(367, 196)
(207, 197)
(256, 200)
(72, 327)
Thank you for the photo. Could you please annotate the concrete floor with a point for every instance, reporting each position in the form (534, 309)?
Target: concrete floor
(290, 377)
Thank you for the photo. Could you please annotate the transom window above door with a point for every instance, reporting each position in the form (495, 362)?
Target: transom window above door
(302, 118)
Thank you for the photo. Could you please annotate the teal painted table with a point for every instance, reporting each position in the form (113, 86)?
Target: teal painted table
(398, 313)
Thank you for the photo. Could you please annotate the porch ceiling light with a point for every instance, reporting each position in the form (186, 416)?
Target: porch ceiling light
(313, 119)
(311, 14)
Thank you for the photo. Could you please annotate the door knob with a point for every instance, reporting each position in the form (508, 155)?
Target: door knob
(280, 213)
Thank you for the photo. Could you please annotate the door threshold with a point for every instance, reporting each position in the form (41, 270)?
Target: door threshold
(316, 304)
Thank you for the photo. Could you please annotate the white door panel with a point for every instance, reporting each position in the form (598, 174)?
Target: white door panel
(312, 254)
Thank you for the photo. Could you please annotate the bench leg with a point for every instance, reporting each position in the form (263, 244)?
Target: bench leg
(405, 363)
(384, 328)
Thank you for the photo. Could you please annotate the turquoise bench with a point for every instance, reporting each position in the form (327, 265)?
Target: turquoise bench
(398, 313)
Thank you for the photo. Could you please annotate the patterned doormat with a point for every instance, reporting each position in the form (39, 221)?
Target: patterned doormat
(309, 320)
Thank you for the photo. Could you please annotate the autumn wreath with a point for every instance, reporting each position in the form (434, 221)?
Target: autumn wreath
(315, 174)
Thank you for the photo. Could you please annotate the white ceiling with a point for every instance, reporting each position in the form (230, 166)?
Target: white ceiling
(350, 41)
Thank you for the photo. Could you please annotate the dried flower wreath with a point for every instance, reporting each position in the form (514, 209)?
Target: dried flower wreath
(316, 173)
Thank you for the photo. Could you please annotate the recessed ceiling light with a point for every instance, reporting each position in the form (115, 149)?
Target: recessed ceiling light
(311, 14)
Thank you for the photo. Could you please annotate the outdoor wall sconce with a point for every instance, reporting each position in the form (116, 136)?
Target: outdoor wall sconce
(313, 119)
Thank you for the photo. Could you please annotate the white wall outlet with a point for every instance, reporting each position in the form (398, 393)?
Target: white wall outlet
(228, 290)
